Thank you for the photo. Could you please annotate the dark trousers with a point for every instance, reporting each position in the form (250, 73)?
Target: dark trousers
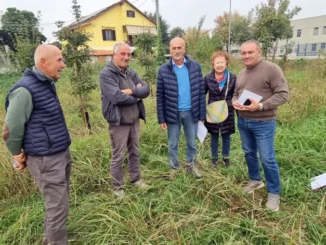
(52, 175)
(226, 145)
(122, 137)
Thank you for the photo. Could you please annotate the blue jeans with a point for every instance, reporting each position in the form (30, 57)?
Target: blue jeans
(226, 144)
(259, 135)
(184, 118)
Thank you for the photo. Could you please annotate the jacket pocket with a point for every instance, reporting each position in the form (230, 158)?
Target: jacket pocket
(110, 112)
(142, 111)
(36, 165)
(47, 135)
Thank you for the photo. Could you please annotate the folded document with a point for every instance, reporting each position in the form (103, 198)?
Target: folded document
(201, 132)
(246, 94)
(318, 182)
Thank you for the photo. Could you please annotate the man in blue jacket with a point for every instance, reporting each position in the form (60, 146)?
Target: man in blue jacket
(181, 101)
(122, 106)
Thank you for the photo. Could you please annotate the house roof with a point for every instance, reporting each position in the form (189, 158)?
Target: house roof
(91, 16)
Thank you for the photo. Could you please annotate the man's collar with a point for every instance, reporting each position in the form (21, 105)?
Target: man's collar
(41, 74)
(184, 61)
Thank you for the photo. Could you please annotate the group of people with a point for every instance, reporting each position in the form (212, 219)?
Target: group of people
(181, 100)
(36, 134)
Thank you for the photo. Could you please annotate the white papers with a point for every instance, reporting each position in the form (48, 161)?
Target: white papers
(246, 94)
(201, 132)
(318, 181)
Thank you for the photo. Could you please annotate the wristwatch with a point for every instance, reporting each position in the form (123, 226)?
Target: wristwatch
(261, 107)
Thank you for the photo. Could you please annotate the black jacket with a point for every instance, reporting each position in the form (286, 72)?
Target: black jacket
(214, 94)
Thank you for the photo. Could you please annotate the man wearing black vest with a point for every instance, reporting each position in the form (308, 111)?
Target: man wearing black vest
(36, 134)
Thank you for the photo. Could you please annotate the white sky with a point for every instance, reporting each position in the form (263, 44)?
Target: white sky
(183, 13)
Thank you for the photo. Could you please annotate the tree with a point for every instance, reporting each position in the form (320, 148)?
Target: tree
(57, 44)
(164, 27)
(202, 48)
(6, 40)
(288, 50)
(177, 32)
(21, 25)
(22, 33)
(160, 59)
(240, 28)
(206, 46)
(200, 45)
(24, 55)
(192, 37)
(146, 57)
(77, 54)
(273, 23)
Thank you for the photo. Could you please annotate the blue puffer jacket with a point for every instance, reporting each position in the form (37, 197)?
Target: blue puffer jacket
(167, 92)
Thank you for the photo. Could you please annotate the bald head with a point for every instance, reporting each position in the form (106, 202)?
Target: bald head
(177, 50)
(178, 40)
(44, 51)
(48, 59)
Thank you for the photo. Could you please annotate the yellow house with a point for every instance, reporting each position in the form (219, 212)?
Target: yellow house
(120, 22)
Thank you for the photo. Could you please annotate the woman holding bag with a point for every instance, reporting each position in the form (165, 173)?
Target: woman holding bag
(220, 85)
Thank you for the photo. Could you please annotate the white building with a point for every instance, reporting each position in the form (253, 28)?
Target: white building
(309, 36)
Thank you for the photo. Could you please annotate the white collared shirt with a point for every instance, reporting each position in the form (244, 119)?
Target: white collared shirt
(180, 66)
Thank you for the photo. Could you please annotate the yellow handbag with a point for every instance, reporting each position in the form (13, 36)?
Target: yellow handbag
(218, 111)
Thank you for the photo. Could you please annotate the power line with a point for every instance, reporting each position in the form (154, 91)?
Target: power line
(142, 3)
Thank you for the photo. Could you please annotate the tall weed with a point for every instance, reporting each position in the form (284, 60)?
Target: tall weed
(183, 210)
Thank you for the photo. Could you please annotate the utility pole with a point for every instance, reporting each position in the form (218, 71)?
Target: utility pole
(157, 17)
(230, 20)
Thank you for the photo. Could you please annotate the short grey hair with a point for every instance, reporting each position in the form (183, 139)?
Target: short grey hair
(252, 41)
(117, 46)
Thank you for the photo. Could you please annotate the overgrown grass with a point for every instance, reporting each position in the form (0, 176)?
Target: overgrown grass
(183, 211)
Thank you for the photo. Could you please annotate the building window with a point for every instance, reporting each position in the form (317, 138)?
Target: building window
(130, 14)
(314, 47)
(323, 45)
(299, 33)
(108, 35)
(324, 30)
(316, 31)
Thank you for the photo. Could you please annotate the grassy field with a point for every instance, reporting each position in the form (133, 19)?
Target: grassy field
(183, 211)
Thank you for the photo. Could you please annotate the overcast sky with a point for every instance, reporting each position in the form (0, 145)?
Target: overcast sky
(183, 13)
